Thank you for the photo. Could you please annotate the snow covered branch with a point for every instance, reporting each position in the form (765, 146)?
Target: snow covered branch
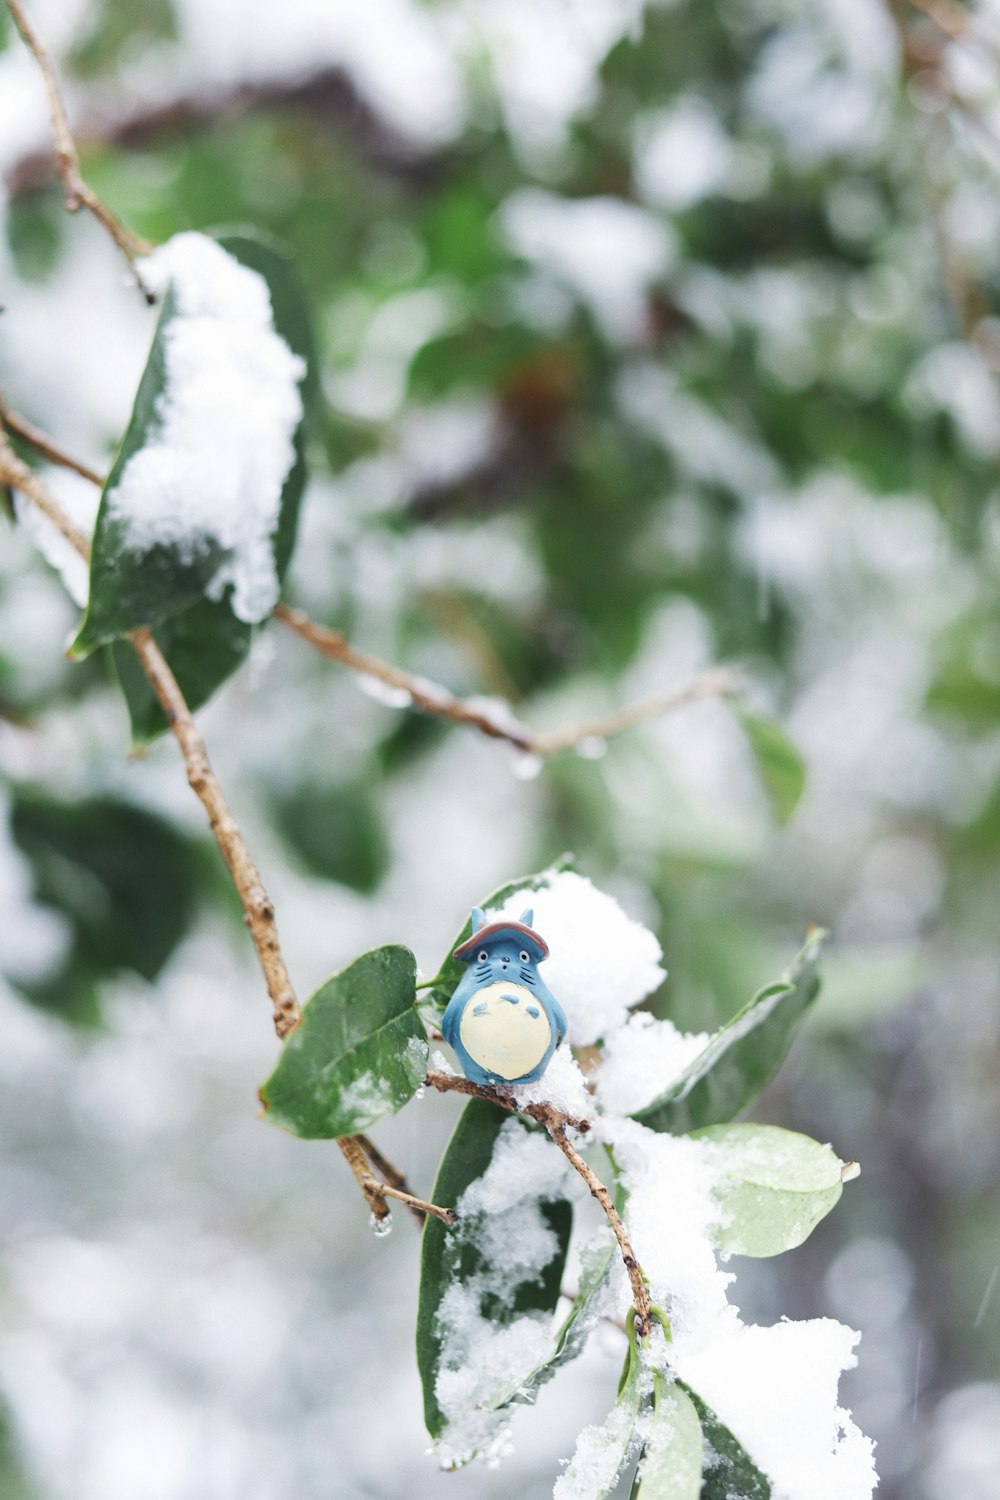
(556, 1124)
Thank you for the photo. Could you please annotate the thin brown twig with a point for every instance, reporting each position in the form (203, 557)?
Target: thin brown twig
(429, 698)
(557, 1124)
(377, 1192)
(391, 1176)
(78, 192)
(257, 907)
(14, 471)
(43, 444)
(545, 1114)
(640, 1292)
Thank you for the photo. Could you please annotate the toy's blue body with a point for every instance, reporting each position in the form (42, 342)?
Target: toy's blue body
(503, 1021)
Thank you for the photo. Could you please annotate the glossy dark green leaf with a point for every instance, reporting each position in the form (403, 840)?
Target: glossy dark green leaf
(772, 1186)
(459, 1256)
(671, 1464)
(729, 1471)
(452, 970)
(740, 1058)
(163, 587)
(780, 765)
(359, 1053)
(123, 879)
(335, 831)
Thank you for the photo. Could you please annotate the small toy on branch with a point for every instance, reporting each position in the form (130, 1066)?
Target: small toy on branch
(503, 1022)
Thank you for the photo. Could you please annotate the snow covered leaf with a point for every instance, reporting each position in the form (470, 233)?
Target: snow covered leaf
(452, 971)
(202, 500)
(359, 1053)
(670, 1467)
(742, 1056)
(779, 763)
(490, 1284)
(729, 1473)
(603, 1450)
(587, 1308)
(772, 1186)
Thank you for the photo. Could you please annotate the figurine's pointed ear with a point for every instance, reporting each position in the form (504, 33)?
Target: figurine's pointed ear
(478, 918)
(527, 916)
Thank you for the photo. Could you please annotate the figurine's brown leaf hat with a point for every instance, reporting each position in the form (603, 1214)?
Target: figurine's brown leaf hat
(504, 928)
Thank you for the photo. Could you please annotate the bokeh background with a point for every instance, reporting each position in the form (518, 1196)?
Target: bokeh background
(653, 336)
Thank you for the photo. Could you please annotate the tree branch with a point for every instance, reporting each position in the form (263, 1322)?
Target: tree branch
(376, 1192)
(425, 696)
(640, 1292)
(545, 1114)
(78, 193)
(557, 1124)
(257, 908)
(430, 698)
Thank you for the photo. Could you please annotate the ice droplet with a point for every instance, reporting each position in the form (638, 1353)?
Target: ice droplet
(525, 765)
(592, 747)
(382, 1227)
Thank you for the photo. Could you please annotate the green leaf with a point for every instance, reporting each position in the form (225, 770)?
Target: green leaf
(772, 1186)
(603, 1450)
(464, 1256)
(729, 1471)
(359, 1053)
(670, 1468)
(124, 880)
(335, 831)
(452, 970)
(740, 1058)
(780, 765)
(164, 586)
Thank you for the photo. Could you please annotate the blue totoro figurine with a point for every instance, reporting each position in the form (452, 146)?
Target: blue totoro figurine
(503, 1021)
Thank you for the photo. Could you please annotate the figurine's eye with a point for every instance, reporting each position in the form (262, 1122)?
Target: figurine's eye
(525, 956)
(482, 955)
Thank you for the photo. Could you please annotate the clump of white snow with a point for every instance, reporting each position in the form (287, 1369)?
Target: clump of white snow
(641, 1060)
(212, 473)
(670, 1211)
(602, 961)
(776, 1390)
(562, 1085)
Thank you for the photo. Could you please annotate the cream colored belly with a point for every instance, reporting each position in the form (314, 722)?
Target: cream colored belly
(503, 1038)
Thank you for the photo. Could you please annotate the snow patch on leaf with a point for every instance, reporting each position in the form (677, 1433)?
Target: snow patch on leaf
(212, 473)
(642, 1060)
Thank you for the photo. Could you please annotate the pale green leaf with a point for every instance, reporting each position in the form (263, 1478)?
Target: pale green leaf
(772, 1186)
